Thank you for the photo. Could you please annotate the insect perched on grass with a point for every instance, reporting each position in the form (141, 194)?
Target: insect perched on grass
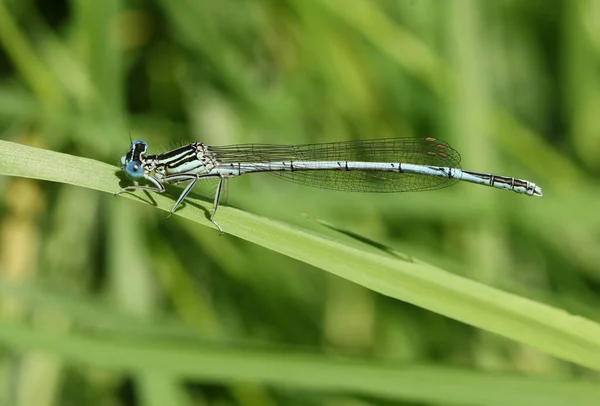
(380, 165)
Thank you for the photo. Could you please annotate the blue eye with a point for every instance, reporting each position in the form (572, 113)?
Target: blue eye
(134, 170)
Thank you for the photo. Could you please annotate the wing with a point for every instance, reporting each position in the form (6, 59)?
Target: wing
(419, 151)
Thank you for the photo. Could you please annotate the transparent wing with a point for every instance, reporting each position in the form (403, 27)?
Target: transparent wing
(420, 151)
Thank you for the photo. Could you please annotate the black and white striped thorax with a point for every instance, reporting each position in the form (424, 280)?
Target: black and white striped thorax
(190, 159)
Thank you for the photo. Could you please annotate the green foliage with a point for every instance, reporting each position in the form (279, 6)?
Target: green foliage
(109, 301)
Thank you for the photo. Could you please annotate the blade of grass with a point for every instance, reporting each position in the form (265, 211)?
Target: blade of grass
(227, 363)
(26, 60)
(552, 330)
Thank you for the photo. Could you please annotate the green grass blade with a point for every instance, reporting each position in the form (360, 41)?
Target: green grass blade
(552, 330)
(228, 363)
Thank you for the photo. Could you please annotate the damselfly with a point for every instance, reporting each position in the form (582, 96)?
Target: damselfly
(383, 165)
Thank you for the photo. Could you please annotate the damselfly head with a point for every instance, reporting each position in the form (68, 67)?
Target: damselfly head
(131, 162)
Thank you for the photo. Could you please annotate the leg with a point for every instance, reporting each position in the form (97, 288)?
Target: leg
(178, 178)
(158, 186)
(225, 192)
(184, 194)
(222, 185)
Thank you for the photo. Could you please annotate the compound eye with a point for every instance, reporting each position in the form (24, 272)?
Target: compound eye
(134, 170)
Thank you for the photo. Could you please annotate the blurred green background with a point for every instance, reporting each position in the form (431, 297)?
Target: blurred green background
(513, 85)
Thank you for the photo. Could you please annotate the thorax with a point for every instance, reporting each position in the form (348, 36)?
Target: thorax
(190, 159)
